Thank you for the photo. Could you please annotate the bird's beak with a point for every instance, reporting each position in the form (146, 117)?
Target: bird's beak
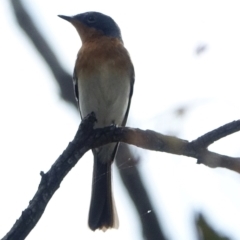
(67, 18)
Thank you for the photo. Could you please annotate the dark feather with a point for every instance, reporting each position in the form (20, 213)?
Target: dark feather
(130, 96)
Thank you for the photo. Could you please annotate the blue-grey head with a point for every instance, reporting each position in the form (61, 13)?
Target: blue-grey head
(94, 21)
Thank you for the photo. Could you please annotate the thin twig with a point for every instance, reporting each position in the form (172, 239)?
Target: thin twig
(211, 137)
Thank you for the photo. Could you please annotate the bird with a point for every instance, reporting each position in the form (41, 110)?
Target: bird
(103, 80)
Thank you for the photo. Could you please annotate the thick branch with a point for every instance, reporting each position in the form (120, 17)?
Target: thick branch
(50, 182)
(87, 138)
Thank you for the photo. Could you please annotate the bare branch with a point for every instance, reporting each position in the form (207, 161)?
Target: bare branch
(210, 137)
(151, 140)
(87, 138)
(50, 182)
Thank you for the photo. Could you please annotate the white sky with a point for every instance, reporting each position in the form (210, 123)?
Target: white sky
(161, 37)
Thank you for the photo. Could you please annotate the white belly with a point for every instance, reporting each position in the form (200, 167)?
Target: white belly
(106, 94)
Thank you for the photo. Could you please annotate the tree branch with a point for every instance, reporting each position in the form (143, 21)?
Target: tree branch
(50, 182)
(210, 137)
(87, 138)
(62, 78)
(151, 140)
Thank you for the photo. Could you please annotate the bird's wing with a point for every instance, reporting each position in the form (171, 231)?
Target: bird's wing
(132, 80)
(75, 88)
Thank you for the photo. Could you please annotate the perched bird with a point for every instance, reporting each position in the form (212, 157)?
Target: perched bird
(103, 83)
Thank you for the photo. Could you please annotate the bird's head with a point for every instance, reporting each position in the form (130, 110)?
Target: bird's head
(94, 24)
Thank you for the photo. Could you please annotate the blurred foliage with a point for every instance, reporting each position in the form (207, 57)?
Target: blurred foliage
(206, 232)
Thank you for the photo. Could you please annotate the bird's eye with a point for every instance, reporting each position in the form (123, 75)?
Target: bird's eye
(91, 19)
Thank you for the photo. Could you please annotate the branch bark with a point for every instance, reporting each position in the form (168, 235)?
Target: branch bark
(87, 138)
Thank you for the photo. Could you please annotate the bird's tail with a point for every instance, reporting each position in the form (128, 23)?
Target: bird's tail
(102, 213)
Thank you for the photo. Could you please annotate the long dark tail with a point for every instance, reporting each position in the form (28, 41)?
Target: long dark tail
(102, 213)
